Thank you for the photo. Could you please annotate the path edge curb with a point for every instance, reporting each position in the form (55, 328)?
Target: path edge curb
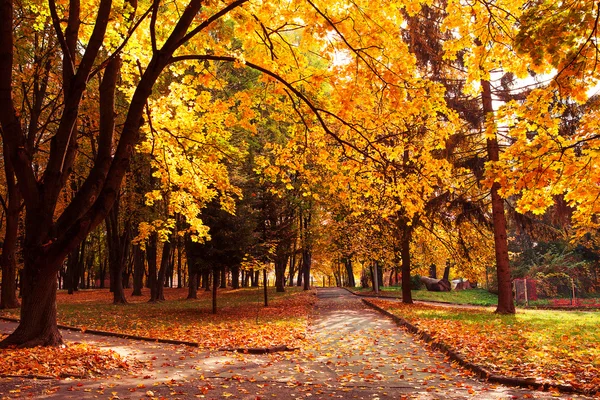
(248, 350)
(481, 372)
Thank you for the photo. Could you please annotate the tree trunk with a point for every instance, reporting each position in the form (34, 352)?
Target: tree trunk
(350, 272)
(405, 254)
(38, 308)
(506, 304)
(151, 256)
(8, 290)
(280, 274)
(265, 291)
(138, 270)
(71, 277)
(179, 259)
(433, 271)
(235, 277)
(306, 263)
(223, 278)
(192, 286)
(300, 275)
(215, 285)
(292, 269)
(206, 279)
(162, 272)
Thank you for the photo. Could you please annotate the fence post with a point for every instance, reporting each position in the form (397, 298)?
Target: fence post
(525, 289)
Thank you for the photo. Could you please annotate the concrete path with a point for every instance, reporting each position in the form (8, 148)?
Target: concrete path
(354, 353)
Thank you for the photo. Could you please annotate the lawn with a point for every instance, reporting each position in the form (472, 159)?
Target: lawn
(480, 297)
(557, 346)
(241, 321)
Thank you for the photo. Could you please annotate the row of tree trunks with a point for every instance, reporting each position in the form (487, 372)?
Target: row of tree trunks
(75, 268)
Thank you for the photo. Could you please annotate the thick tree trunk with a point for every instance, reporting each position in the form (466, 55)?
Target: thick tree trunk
(280, 275)
(405, 254)
(206, 279)
(138, 271)
(506, 304)
(38, 308)
(179, 259)
(235, 277)
(350, 272)
(118, 249)
(300, 276)
(436, 285)
(151, 256)
(433, 271)
(162, 272)
(306, 264)
(215, 285)
(223, 278)
(192, 286)
(8, 290)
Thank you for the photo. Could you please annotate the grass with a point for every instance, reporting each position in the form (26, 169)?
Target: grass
(557, 346)
(479, 297)
(241, 321)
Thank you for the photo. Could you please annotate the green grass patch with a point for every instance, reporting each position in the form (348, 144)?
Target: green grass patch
(478, 297)
(550, 345)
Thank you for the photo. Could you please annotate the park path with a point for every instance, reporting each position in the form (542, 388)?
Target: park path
(353, 353)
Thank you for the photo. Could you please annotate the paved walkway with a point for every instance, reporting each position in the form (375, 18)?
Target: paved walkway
(355, 354)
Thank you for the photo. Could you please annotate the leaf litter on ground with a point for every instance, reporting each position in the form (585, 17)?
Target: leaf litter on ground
(551, 346)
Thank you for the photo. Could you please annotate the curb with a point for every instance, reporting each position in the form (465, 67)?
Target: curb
(249, 350)
(481, 372)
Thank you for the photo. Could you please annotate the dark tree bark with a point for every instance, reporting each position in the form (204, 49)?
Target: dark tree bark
(206, 279)
(306, 239)
(235, 277)
(506, 304)
(223, 278)
(118, 250)
(8, 290)
(433, 271)
(265, 290)
(179, 261)
(75, 268)
(292, 268)
(102, 272)
(193, 284)
(350, 272)
(151, 254)
(436, 285)
(159, 285)
(406, 238)
(215, 285)
(306, 264)
(138, 270)
(280, 264)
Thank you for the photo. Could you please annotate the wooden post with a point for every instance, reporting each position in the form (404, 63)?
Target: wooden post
(525, 289)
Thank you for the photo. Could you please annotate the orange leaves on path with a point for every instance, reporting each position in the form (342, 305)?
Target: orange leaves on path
(550, 346)
(75, 360)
